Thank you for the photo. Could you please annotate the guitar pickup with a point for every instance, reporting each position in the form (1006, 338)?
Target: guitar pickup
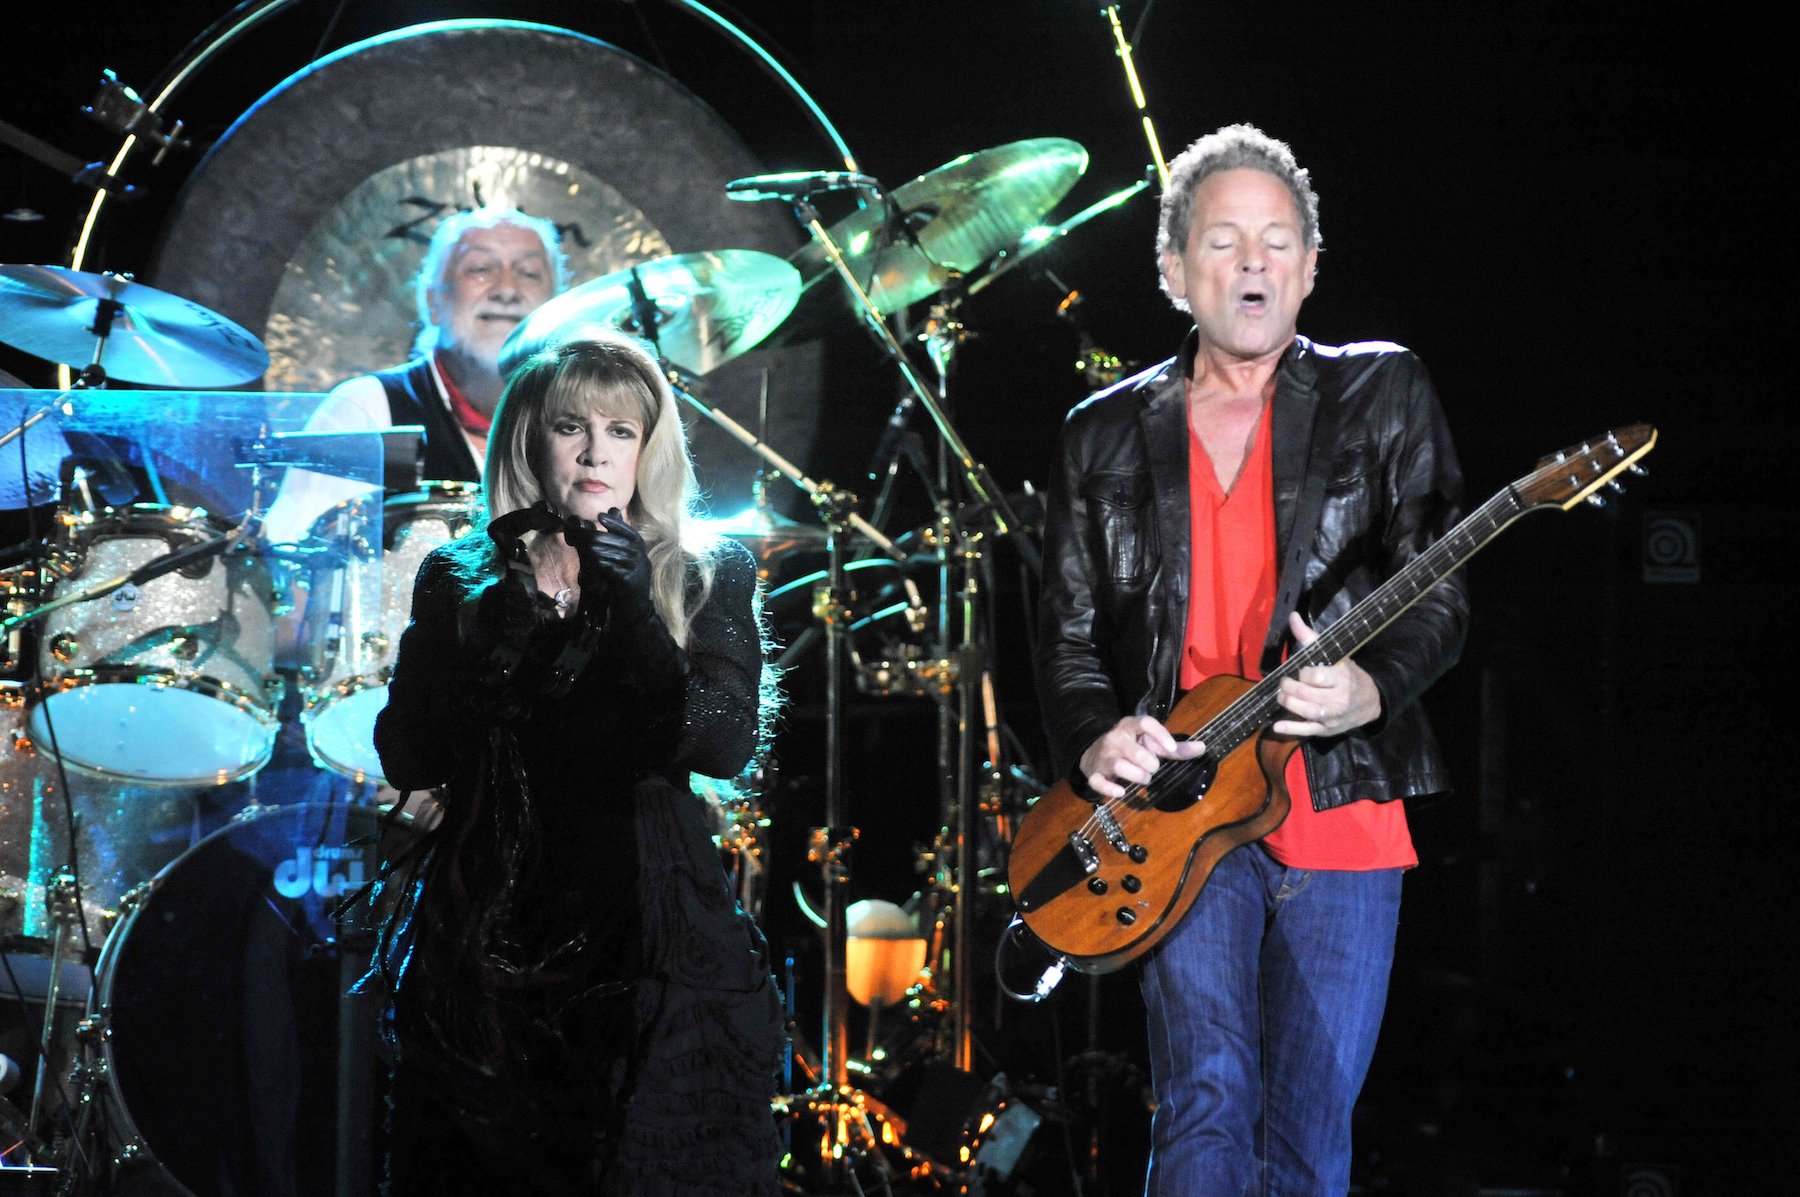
(1084, 851)
(1115, 835)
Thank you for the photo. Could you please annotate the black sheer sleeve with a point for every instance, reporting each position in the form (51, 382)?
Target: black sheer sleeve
(724, 681)
(439, 702)
(702, 715)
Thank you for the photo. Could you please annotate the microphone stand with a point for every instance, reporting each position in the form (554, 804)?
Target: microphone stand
(1122, 47)
(685, 389)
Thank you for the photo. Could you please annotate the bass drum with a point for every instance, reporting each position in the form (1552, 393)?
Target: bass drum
(235, 1059)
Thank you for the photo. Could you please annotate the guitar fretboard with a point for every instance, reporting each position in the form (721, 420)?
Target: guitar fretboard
(1563, 478)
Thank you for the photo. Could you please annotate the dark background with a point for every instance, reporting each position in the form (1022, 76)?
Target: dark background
(1580, 217)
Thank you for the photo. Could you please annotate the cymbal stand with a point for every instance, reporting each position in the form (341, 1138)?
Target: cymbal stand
(942, 336)
(687, 390)
(955, 720)
(846, 1113)
(842, 1110)
(830, 845)
(62, 898)
(980, 481)
(1122, 47)
(974, 712)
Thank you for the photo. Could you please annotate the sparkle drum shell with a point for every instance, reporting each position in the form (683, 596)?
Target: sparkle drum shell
(19, 593)
(124, 834)
(168, 683)
(350, 651)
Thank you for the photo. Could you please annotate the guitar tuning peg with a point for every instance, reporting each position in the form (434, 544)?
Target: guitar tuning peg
(1637, 469)
(1596, 500)
(1617, 487)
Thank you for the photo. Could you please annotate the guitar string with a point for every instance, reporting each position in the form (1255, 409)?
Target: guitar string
(1246, 714)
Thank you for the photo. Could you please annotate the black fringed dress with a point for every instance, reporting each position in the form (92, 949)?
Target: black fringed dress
(576, 1004)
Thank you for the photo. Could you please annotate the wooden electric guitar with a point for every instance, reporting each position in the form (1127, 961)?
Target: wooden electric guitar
(1101, 883)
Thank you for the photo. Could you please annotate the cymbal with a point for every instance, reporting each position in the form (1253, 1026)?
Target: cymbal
(1039, 237)
(156, 338)
(710, 307)
(767, 533)
(961, 214)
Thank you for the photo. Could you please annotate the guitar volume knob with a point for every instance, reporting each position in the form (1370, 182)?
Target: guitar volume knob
(1138, 853)
(1127, 916)
(1096, 885)
(1130, 883)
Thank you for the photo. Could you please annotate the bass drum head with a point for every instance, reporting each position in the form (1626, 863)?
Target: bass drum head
(235, 1052)
(307, 219)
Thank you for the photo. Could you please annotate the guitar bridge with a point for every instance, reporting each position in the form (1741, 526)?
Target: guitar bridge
(1115, 835)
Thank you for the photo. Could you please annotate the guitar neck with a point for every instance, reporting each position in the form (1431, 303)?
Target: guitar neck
(1560, 480)
(1257, 707)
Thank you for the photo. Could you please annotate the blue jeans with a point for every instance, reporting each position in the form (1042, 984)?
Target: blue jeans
(1264, 1006)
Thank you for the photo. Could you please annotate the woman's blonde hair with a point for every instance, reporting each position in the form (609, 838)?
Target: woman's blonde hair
(607, 371)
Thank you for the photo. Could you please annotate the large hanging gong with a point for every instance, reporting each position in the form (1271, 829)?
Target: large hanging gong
(307, 219)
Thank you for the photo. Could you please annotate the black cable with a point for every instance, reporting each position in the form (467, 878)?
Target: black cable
(637, 11)
(1062, 1089)
(330, 28)
(1137, 30)
(36, 1034)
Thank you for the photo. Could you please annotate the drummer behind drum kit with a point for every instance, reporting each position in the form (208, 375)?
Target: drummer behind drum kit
(140, 643)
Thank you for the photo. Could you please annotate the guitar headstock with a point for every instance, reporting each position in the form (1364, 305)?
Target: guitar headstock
(1565, 479)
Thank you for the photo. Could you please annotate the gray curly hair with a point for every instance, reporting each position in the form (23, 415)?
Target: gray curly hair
(1229, 148)
(444, 239)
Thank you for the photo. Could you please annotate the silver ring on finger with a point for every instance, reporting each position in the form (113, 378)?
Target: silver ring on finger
(1321, 712)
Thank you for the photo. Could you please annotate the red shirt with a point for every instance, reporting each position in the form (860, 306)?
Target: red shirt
(472, 419)
(1231, 597)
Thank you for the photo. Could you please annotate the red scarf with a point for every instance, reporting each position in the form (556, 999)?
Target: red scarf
(474, 421)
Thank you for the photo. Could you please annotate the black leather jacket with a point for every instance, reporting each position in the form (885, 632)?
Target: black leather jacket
(1362, 419)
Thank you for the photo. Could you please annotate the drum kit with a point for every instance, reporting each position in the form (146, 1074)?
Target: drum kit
(152, 650)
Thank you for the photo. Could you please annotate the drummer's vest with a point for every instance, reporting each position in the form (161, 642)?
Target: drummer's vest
(413, 398)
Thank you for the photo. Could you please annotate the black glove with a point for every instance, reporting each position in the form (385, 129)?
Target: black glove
(615, 569)
(615, 557)
(506, 611)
